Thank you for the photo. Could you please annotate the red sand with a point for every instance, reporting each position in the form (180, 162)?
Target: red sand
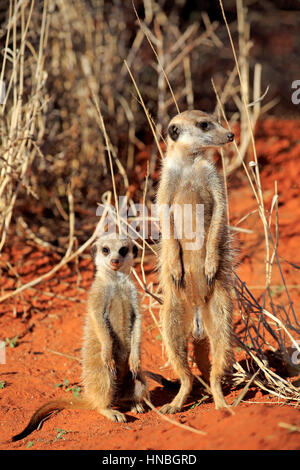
(49, 325)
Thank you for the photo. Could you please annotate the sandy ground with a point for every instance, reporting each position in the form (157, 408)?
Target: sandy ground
(43, 364)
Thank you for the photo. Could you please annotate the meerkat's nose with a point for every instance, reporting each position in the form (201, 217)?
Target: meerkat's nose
(230, 136)
(115, 262)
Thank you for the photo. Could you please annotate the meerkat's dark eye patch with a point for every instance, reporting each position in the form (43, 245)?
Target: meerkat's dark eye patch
(174, 132)
(123, 251)
(204, 125)
(105, 250)
(135, 251)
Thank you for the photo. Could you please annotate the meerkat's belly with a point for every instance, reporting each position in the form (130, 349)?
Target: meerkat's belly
(120, 320)
(192, 209)
(117, 317)
(192, 223)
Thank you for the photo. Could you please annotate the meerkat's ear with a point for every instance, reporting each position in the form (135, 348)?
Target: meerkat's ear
(173, 132)
(216, 113)
(94, 251)
(135, 251)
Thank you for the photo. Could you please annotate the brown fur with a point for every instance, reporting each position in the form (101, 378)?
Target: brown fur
(111, 369)
(196, 283)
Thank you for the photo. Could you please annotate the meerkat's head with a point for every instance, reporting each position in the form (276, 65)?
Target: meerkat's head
(114, 254)
(196, 130)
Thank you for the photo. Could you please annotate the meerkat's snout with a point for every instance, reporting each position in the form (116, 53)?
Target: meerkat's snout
(120, 256)
(115, 262)
(230, 136)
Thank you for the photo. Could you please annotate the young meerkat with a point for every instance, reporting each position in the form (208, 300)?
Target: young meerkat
(111, 369)
(195, 282)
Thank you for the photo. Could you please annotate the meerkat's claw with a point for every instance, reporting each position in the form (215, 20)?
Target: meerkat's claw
(210, 269)
(179, 283)
(134, 366)
(112, 368)
(209, 280)
(169, 409)
(137, 408)
(118, 417)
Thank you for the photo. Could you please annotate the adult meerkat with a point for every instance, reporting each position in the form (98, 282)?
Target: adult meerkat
(195, 282)
(111, 369)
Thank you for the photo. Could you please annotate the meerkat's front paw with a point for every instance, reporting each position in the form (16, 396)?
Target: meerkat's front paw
(177, 276)
(110, 364)
(134, 365)
(210, 269)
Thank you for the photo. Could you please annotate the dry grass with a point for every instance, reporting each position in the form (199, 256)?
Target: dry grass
(258, 330)
(24, 105)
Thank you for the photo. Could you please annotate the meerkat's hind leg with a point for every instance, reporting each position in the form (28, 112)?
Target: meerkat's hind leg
(177, 321)
(201, 344)
(218, 323)
(140, 392)
(100, 385)
(201, 357)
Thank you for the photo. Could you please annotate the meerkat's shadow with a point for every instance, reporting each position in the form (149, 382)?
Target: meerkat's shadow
(165, 393)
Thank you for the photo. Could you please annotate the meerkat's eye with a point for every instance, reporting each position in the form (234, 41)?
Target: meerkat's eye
(105, 250)
(203, 125)
(123, 251)
(173, 132)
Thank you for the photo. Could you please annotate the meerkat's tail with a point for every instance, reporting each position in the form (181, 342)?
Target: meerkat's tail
(162, 381)
(46, 410)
